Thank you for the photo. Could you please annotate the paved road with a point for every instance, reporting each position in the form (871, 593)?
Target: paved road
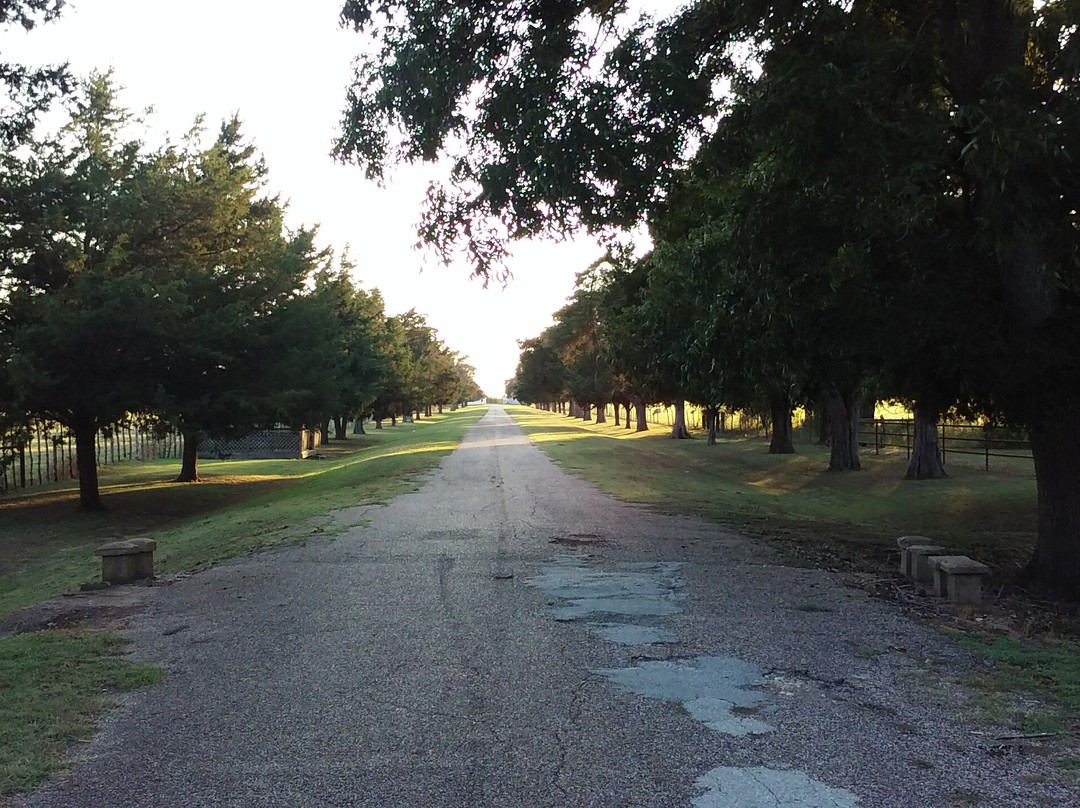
(508, 636)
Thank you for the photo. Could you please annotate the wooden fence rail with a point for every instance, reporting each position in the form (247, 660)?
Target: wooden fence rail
(979, 440)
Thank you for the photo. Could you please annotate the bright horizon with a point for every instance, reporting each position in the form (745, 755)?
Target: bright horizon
(285, 74)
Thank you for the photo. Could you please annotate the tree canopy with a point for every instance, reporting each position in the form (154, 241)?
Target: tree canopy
(163, 282)
(842, 196)
(29, 90)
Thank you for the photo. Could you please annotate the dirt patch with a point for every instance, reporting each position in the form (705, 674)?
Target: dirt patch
(871, 558)
(99, 609)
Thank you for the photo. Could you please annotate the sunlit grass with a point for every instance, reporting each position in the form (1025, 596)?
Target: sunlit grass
(441, 447)
(846, 520)
(793, 500)
(46, 543)
(55, 683)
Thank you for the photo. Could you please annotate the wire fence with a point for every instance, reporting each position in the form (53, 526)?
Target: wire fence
(731, 421)
(43, 452)
(884, 435)
(974, 440)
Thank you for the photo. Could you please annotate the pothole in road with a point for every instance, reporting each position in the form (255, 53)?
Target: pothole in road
(630, 634)
(630, 590)
(578, 540)
(724, 693)
(715, 690)
(758, 787)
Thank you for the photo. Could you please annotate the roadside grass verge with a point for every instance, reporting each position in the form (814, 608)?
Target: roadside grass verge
(1047, 673)
(846, 521)
(47, 544)
(56, 683)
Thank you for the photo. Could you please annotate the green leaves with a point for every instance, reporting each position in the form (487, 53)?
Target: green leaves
(546, 125)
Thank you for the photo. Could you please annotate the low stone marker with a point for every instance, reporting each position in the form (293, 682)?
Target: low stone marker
(958, 578)
(905, 542)
(126, 561)
(916, 560)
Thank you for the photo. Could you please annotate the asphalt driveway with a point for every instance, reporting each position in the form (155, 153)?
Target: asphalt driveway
(509, 637)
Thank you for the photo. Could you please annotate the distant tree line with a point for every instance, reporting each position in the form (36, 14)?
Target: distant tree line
(163, 282)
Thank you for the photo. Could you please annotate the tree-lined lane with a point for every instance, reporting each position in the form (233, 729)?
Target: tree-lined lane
(401, 665)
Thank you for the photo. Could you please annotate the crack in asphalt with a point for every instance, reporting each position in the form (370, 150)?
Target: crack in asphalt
(573, 713)
(764, 785)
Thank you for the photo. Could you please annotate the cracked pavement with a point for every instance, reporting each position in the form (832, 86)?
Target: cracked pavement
(409, 662)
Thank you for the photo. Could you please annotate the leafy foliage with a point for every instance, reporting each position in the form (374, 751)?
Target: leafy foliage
(554, 114)
(874, 195)
(29, 90)
(163, 282)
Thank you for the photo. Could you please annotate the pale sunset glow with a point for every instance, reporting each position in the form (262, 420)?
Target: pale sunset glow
(284, 68)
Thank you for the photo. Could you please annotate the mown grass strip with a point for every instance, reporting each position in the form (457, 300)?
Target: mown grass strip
(47, 544)
(1051, 673)
(848, 520)
(55, 684)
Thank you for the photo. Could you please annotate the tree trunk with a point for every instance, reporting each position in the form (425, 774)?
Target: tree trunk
(1055, 564)
(627, 424)
(926, 452)
(440, 410)
(844, 425)
(782, 436)
(189, 468)
(586, 412)
(378, 423)
(822, 423)
(86, 462)
(616, 408)
(393, 420)
(986, 42)
(678, 429)
(639, 410)
(339, 427)
(712, 418)
(325, 428)
(601, 413)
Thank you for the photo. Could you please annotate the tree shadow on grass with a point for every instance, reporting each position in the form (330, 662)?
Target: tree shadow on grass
(35, 526)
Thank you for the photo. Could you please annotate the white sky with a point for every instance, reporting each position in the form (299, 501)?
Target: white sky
(284, 66)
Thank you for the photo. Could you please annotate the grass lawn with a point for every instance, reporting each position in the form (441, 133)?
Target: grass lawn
(47, 543)
(52, 681)
(846, 520)
(55, 684)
